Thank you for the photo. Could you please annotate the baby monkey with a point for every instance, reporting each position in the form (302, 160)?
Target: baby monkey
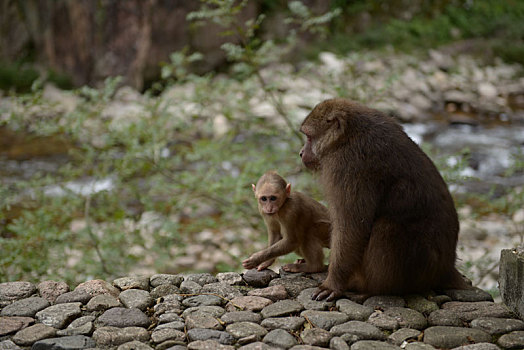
(295, 222)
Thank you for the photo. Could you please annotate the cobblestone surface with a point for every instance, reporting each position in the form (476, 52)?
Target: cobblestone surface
(264, 310)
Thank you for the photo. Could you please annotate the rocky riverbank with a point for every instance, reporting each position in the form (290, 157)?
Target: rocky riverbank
(254, 310)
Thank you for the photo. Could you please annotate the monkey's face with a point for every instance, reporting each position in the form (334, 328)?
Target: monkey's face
(270, 198)
(322, 128)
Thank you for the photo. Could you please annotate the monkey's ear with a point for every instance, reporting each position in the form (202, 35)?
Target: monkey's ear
(333, 119)
(288, 189)
(254, 187)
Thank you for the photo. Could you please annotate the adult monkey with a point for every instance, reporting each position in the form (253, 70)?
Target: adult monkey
(394, 223)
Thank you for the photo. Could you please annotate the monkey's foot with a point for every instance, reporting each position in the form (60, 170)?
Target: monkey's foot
(300, 261)
(325, 293)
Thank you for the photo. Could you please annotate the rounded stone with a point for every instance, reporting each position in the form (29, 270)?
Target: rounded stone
(126, 283)
(282, 308)
(25, 307)
(114, 336)
(50, 290)
(316, 336)
(10, 291)
(354, 310)
(63, 343)
(291, 323)
(32, 334)
(136, 298)
(450, 337)
(251, 303)
(102, 302)
(280, 338)
(241, 316)
(244, 329)
(325, 319)
(159, 279)
(59, 315)
(122, 317)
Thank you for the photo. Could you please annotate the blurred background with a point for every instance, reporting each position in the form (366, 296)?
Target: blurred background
(131, 131)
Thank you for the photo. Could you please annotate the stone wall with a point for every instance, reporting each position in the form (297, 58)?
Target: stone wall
(254, 310)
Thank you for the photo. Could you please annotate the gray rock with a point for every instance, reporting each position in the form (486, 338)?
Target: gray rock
(204, 345)
(76, 296)
(50, 290)
(469, 311)
(136, 298)
(402, 335)
(214, 311)
(241, 316)
(444, 318)
(513, 340)
(164, 290)
(306, 347)
(363, 330)
(372, 345)
(421, 304)
(418, 346)
(11, 324)
(258, 346)
(8, 345)
(259, 279)
(210, 334)
(32, 334)
(126, 283)
(244, 329)
(102, 302)
(337, 343)
(294, 285)
(11, 291)
(511, 280)
(169, 317)
(354, 310)
(494, 325)
(122, 317)
(114, 336)
(274, 293)
(325, 319)
(384, 301)
(282, 308)
(178, 325)
(316, 336)
(304, 298)
(231, 278)
(134, 345)
(200, 300)
(280, 338)
(80, 326)
(478, 346)
(159, 279)
(190, 287)
(25, 307)
(65, 343)
(404, 317)
(201, 278)
(203, 321)
(451, 337)
(58, 316)
(222, 289)
(97, 287)
(252, 303)
(171, 306)
(166, 334)
(291, 323)
(471, 295)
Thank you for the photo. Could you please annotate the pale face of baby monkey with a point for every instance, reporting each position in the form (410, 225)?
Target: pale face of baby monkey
(270, 197)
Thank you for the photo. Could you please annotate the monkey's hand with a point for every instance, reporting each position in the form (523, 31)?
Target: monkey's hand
(251, 262)
(327, 293)
(265, 264)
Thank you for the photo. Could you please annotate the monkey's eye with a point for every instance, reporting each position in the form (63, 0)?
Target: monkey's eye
(263, 198)
(272, 198)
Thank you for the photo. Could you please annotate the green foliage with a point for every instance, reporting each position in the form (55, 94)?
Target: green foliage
(136, 181)
(499, 23)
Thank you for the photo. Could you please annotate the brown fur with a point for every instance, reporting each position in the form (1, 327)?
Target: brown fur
(394, 223)
(294, 221)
